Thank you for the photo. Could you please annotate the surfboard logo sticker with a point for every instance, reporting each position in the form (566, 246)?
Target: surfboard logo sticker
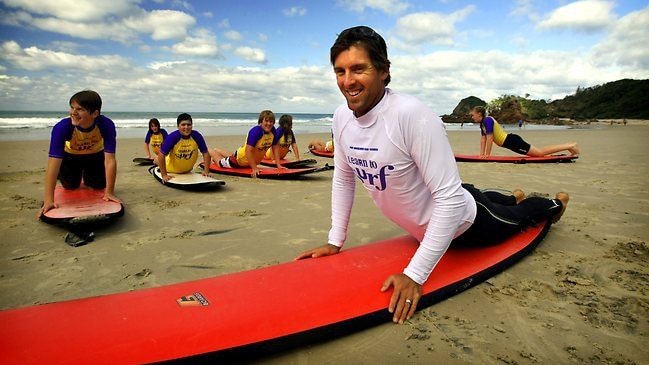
(193, 300)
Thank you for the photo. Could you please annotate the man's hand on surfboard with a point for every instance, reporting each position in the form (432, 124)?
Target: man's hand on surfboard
(324, 250)
(404, 298)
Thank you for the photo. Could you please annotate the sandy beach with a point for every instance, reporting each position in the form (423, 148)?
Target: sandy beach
(581, 297)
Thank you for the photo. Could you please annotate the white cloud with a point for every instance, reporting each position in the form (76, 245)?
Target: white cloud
(583, 15)
(386, 6)
(295, 11)
(255, 55)
(115, 31)
(163, 65)
(202, 44)
(121, 21)
(233, 35)
(429, 27)
(36, 59)
(75, 10)
(626, 44)
(161, 24)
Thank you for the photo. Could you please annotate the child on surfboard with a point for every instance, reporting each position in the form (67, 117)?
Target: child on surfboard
(82, 148)
(285, 139)
(491, 132)
(154, 138)
(398, 149)
(179, 151)
(259, 139)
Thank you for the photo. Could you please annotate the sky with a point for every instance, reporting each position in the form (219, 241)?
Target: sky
(250, 55)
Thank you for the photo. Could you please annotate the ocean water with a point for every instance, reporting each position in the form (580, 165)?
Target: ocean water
(37, 125)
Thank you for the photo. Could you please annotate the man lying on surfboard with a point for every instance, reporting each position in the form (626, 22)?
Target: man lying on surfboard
(398, 148)
(491, 132)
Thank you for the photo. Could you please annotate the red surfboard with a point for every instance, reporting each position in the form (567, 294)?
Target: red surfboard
(322, 153)
(265, 172)
(245, 314)
(80, 206)
(516, 159)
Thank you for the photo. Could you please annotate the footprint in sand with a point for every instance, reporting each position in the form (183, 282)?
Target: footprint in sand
(167, 256)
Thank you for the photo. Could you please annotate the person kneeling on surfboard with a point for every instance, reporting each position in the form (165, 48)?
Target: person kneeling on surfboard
(179, 151)
(82, 148)
(398, 149)
(259, 139)
(491, 132)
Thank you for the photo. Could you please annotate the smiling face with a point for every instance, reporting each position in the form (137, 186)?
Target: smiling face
(80, 115)
(359, 81)
(185, 127)
(267, 124)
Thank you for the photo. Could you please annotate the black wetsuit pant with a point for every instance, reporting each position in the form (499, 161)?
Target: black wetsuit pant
(499, 217)
(90, 168)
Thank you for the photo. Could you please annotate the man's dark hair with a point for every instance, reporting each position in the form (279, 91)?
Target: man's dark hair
(368, 39)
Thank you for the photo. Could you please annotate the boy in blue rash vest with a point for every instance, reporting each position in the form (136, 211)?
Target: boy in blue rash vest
(259, 139)
(179, 151)
(154, 138)
(285, 139)
(82, 147)
(491, 132)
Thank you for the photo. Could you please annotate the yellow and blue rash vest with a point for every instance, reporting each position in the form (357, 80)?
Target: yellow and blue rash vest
(329, 146)
(490, 126)
(181, 152)
(66, 138)
(155, 139)
(261, 142)
(283, 143)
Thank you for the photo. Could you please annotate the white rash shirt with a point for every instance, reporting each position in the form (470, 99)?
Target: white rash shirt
(400, 152)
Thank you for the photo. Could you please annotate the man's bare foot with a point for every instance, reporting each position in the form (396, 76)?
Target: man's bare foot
(563, 197)
(574, 150)
(519, 195)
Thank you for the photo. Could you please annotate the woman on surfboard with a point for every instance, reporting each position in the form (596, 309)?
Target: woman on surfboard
(82, 148)
(398, 149)
(491, 132)
(285, 139)
(179, 151)
(259, 139)
(154, 138)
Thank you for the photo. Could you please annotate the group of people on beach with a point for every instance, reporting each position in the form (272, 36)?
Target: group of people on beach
(178, 151)
(391, 143)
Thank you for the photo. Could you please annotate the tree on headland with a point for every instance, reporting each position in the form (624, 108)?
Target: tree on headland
(624, 98)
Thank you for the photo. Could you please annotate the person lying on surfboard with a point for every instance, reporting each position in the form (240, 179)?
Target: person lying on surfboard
(491, 132)
(179, 151)
(285, 139)
(82, 148)
(398, 149)
(318, 145)
(154, 138)
(259, 139)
